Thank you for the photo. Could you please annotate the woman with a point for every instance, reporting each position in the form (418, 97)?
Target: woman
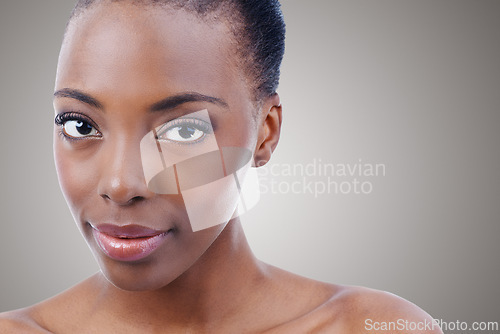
(150, 98)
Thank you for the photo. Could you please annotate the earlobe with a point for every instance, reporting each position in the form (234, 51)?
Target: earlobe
(269, 130)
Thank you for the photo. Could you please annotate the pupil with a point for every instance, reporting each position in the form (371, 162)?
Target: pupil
(83, 128)
(186, 132)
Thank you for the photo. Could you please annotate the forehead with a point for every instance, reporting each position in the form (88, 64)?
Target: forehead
(129, 51)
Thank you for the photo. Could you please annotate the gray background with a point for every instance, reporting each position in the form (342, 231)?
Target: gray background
(414, 85)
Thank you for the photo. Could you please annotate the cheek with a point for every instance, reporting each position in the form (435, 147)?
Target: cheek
(76, 176)
(237, 131)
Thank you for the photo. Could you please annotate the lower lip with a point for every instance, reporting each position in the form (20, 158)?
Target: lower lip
(128, 249)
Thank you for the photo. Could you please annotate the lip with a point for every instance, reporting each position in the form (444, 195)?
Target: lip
(128, 242)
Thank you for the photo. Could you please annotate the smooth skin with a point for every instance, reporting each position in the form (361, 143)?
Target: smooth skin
(127, 59)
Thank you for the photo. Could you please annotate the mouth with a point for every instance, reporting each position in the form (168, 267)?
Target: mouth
(130, 242)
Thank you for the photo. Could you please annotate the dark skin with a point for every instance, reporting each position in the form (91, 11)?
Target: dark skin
(204, 282)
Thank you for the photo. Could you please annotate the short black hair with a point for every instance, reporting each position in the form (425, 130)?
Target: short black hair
(258, 27)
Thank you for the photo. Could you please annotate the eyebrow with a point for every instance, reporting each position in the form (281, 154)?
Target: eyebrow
(168, 103)
(176, 100)
(78, 95)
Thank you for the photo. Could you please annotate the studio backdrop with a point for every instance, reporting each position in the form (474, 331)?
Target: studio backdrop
(386, 174)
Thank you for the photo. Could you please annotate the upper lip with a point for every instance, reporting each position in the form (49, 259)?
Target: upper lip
(127, 231)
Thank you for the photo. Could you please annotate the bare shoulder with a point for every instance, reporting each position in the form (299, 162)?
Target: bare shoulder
(364, 310)
(20, 321)
(348, 309)
(54, 315)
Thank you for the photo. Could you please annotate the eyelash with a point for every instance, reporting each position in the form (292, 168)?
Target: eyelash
(64, 117)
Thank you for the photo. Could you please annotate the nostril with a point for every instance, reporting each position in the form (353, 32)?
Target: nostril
(132, 200)
(136, 199)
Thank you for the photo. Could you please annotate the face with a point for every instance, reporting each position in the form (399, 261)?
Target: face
(123, 74)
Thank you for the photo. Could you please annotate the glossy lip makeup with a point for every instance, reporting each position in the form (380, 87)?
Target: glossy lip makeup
(128, 243)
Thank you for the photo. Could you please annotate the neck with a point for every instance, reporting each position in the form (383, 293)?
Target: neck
(218, 285)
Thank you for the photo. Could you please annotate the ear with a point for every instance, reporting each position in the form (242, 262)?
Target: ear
(269, 128)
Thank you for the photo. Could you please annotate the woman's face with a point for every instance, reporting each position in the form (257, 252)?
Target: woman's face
(117, 67)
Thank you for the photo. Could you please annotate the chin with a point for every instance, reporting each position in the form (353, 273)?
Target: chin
(137, 276)
(125, 277)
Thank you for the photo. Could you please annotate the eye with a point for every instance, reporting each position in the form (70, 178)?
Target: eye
(185, 131)
(79, 129)
(76, 126)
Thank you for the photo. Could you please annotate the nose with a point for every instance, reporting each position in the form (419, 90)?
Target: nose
(122, 179)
